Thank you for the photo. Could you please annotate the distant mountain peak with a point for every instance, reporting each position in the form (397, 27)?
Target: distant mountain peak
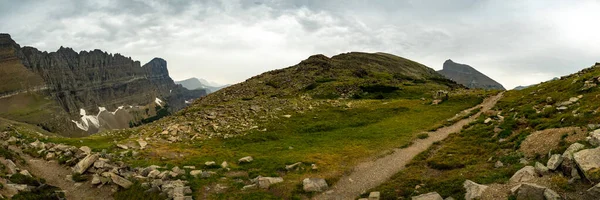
(468, 76)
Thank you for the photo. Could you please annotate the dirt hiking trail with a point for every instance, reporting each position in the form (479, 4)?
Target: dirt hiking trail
(56, 175)
(373, 173)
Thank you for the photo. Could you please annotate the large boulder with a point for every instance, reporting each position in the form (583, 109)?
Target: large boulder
(85, 163)
(528, 191)
(428, 196)
(554, 162)
(314, 185)
(588, 161)
(266, 182)
(525, 174)
(474, 190)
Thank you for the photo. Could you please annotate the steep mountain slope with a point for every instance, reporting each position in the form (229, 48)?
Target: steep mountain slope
(468, 76)
(550, 127)
(195, 83)
(87, 82)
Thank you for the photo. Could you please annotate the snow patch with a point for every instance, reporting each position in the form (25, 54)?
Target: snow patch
(158, 101)
(88, 121)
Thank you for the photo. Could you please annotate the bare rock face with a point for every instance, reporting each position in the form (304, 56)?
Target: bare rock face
(88, 80)
(468, 76)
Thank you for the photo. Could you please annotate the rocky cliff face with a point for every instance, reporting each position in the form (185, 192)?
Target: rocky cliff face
(95, 80)
(468, 76)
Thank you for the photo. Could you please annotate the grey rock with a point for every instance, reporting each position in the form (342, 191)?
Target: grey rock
(210, 163)
(314, 185)
(195, 173)
(474, 190)
(541, 169)
(266, 182)
(551, 195)
(594, 138)
(525, 174)
(246, 159)
(12, 168)
(87, 150)
(588, 161)
(554, 161)
(120, 181)
(428, 196)
(528, 191)
(498, 164)
(85, 163)
(293, 166)
(224, 165)
(374, 195)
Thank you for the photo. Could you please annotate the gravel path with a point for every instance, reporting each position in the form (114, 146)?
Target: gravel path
(371, 174)
(55, 175)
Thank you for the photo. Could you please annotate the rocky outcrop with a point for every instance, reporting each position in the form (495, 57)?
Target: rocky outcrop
(468, 76)
(90, 81)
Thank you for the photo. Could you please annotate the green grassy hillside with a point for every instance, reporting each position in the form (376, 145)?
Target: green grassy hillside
(472, 153)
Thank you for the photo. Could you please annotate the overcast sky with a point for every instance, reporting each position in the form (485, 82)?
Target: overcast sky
(514, 42)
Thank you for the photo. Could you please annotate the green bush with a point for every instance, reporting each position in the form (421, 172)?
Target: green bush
(422, 135)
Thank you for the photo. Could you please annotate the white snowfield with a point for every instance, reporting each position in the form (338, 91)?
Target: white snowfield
(158, 101)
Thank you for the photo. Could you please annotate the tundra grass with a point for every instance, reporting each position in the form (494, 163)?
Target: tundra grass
(445, 166)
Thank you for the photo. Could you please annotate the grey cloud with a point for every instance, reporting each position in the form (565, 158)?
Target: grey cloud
(228, 41)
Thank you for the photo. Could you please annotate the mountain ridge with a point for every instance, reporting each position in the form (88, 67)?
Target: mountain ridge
(468, 76)
(93, 81)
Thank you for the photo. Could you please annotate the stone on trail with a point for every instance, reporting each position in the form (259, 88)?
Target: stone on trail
(428, 196)
(12, 168)
(314, 185)
(85, 163)
(374, 195)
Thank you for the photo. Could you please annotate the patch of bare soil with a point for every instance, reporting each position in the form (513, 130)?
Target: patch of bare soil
(541, 142)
